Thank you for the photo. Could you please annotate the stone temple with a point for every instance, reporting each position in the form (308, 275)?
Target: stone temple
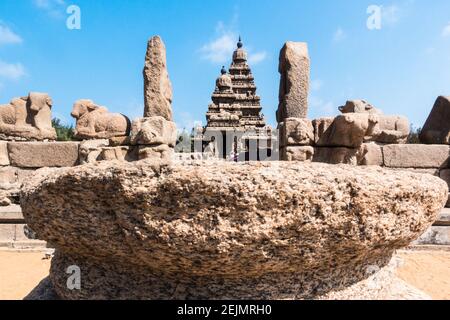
(235, 123)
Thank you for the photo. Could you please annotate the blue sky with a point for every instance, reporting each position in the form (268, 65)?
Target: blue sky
(400, 68)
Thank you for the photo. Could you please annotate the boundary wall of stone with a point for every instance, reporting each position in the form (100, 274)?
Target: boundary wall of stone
(18, 160)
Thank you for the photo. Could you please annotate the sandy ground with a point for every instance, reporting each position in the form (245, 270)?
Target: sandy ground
(20, 273)
(426, 270)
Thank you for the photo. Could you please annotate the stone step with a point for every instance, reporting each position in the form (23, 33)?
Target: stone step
(436, 235)
(444, 218)
(23, 245)
(11, 214)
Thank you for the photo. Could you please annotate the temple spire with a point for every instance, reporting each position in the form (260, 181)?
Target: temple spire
(240, 44)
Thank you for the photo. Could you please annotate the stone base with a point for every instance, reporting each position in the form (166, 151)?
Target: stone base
(114, 282)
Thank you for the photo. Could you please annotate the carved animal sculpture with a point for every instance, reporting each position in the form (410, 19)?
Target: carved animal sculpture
(28, 118)
(359, 106)
(96, 122)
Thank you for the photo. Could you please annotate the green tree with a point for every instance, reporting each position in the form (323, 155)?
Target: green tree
(64, 132)
(413, 137)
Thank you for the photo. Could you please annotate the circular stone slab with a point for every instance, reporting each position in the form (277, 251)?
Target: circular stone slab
(274, 230)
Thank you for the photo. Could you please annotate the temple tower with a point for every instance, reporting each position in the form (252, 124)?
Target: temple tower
(234, 119)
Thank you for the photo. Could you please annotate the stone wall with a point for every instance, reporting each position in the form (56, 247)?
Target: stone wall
(18, 162)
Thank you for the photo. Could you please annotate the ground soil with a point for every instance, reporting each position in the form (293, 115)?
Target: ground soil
(21, 272)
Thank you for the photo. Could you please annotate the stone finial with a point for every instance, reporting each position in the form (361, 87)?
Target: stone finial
(95, 122)
(27, 118)
(294, 67)
(157, 85)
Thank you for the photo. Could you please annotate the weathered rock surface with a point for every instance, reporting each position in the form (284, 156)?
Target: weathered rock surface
(157, 85)
(294, 68)
(416, 156)
(272, 230)
(437, 127)
(302, 153)
(43, 154)
(4, 158)
(90, 150)
(153, 131)
(369, 154)
(296, 132)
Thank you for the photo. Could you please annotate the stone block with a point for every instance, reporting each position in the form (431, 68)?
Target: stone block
(123, 153)
(90, 150)
(370, 154)
(119, 141)
(321, 127)
(153, 131)
(8, 177)
(4, 158)
(444, 218)
(337, 155)
(296, 132)
(304, 153)
(435, 236)
(11, 214)
(7, 232)
(43, 154)
(163, 152)
(444, 174)
(416, 156)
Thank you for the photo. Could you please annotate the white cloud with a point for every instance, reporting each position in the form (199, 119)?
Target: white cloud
(7, 36)
(220, 49)
(257, 57)
(186, 121)
(326, 108)
(13, 71)
(390, 15)
(54, 8)
(339, 35)
(46, 4)
(446, 30)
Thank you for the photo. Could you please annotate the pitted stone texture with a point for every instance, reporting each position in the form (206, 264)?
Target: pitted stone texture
(294, 68)
(321, 127)
(90, 150)
(391, 129)
(416, 156)
(296, 132)
(43, 154)
(157, 85)
(369, 154)
(219, 229)
(162, 152)
(153, 131)
(437, 127)
(297, 153)
(123, 153)
(4, 158)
